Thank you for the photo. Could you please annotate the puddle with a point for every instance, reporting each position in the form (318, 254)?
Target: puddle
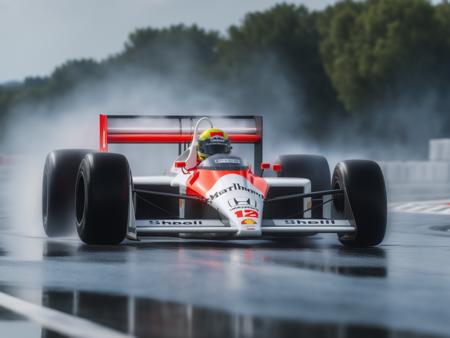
(151, 318)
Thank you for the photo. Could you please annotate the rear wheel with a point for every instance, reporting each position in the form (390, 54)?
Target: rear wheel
(364, 185)
(313, 167)
(58, 191)
(103, 198)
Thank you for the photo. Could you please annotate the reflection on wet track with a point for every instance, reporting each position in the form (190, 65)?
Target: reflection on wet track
(152, 318)
(353, 271)
(309, 287)
(444, 228)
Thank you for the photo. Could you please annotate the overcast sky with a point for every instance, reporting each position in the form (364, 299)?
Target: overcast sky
(37, 35)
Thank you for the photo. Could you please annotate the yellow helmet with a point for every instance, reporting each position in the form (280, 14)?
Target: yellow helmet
(213, 141)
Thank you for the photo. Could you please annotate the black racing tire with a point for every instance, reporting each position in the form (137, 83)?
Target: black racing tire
(58, 191)
(102, 198)
(364, 185)
(313, 167)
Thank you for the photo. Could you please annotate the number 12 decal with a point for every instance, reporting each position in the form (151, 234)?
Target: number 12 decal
(246, 213)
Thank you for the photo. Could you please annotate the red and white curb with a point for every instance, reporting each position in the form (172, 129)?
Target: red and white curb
(441, 207)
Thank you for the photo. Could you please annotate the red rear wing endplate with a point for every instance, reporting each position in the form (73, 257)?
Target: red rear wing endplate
(177, 130)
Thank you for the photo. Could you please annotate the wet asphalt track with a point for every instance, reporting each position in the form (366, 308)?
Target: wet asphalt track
(191, 288)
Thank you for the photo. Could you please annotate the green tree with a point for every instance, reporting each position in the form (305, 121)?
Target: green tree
(168, 50)
(354, 63)
(73, 72)
(371, 49)
(287, 36)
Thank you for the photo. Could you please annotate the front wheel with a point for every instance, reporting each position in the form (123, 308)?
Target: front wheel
(102, 198)
(364, 186)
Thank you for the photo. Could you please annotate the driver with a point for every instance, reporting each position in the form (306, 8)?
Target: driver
(213, 141)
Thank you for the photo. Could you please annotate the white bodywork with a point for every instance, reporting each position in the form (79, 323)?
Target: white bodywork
(239, 203)
(244, 197)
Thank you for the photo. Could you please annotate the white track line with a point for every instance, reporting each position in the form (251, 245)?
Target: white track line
(58, 321)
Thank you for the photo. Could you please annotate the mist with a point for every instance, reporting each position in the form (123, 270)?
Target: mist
(71, 121)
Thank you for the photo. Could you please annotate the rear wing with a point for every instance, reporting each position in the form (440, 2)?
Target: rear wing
(174, 129)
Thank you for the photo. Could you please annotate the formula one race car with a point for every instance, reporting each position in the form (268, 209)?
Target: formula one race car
(219, 198)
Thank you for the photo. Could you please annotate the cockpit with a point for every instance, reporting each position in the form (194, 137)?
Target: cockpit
(223, 162)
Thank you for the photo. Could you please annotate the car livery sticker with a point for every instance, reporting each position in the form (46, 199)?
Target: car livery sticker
(201, 183)
(235, 197)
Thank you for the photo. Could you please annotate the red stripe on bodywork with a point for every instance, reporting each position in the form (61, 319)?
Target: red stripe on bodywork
(261, 184)
(203, 180)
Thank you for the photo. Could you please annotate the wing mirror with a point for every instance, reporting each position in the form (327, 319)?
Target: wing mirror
(265, 165)
(180, 164)
(276, 167)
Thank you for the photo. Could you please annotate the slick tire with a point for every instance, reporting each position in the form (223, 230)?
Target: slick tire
(364, 185)
(58, 191)
(102, 198)
(313, 167)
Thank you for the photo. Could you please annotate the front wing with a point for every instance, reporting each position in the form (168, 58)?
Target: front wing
(268, 227)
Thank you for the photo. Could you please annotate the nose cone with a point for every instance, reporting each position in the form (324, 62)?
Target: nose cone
(240, 202)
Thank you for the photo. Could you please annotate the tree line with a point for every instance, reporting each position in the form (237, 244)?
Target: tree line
(380, 66)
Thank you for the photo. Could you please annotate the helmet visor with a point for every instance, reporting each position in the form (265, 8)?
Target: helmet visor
(216, 148)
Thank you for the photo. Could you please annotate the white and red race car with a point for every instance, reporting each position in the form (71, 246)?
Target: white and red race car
(219, 198)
